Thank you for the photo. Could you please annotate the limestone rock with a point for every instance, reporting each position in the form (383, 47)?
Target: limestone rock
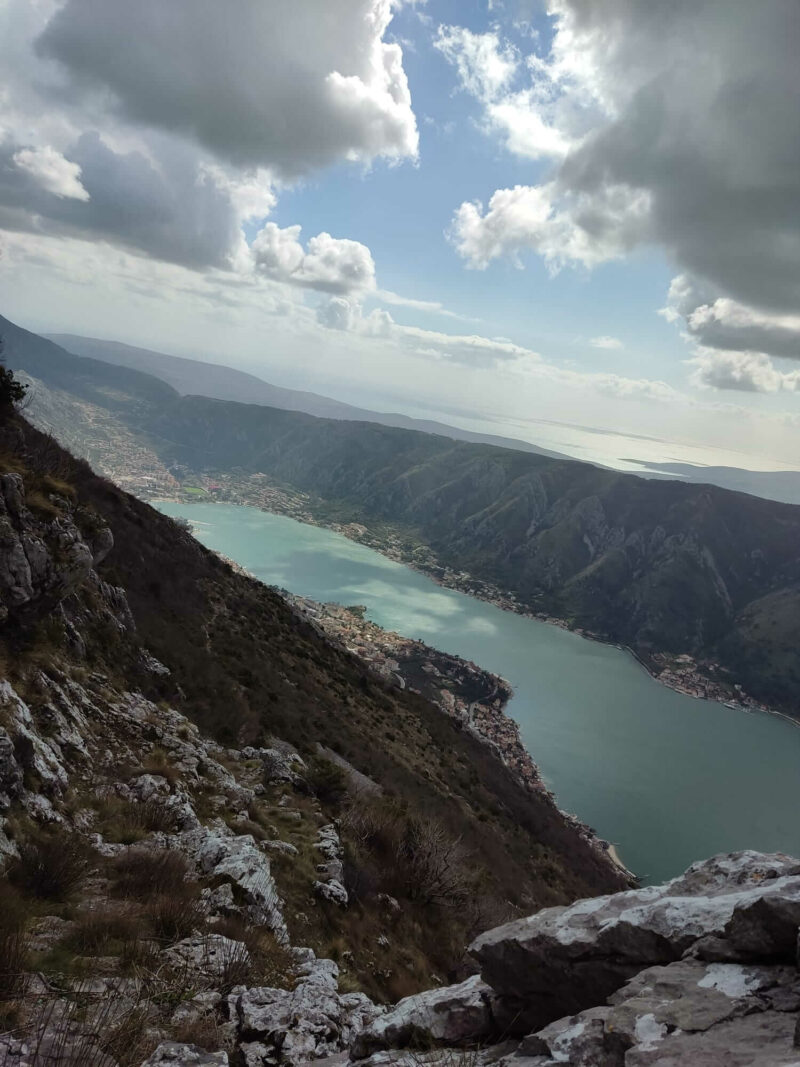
(311, 1021)
(452, 1015)
(741, 907)
(333, 891)
(180, 1055)
(238, 859)
(206, 956)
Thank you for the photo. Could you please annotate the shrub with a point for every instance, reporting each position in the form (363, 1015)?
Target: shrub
(12, 392)
(144, 874)
(50, 867)
(157, 763)
(436, 864)
(172, 916)
(126, 822)
(270, 963)
(13, 946)
(96, 932)
(327, 780)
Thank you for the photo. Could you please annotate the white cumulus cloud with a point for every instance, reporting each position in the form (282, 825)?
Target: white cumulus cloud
(51, 171)
(330, 264)
(292, 86)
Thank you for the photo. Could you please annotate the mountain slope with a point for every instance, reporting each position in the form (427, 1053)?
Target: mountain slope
(657, 565)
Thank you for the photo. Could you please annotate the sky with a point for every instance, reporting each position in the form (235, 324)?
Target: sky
(572, 222)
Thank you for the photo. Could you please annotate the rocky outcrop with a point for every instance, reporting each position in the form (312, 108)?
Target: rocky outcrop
(309, 1022)
(41, 562)
(702, 970)
(744, 907)
(178, 1054)
(448, 1016)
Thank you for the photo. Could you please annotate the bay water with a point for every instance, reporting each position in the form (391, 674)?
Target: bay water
(667, 778)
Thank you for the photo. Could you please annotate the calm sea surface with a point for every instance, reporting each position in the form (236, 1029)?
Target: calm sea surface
(667, 778)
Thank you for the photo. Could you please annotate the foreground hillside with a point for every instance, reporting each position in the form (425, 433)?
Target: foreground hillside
(659, 566)
(153, 698)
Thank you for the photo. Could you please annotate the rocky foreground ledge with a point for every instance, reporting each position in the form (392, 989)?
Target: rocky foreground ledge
(702, 970)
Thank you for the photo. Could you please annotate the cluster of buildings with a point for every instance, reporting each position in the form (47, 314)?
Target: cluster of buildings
(458, 687)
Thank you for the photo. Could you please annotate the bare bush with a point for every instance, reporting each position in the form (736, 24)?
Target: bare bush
(95, 931)
(50, 867)
(174, 916)
(436, 864)
(13, 947)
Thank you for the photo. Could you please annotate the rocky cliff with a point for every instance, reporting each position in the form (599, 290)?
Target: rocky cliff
(200, 839)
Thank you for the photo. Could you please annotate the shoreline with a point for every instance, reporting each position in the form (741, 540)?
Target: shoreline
(680, 673)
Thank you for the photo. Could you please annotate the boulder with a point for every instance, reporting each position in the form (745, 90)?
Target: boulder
(738, 908)
(454, 1015)
(179, 1055)
(238, 860)
(309, 1022)
(687, 1012)
(333, 891)
(207, 956)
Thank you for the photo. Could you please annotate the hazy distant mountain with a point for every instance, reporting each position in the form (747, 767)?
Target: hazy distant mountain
(192, 377)
(772, 485)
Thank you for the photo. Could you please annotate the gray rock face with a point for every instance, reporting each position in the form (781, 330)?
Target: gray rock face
(700, 972)
(179, 1055)
(206, 956)
(687, 1012)
(309, 1022)
(41, 562)
(239, 860)
(741, 907)
(449, 1016)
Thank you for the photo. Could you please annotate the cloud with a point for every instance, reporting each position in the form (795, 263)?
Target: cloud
(433, 306)
(286, 85)
(690, 117)
(749, 372)
(51, 171)
(162, 203)
(606, 342)
(329, 264)
(487, 68)
(337, 314)
(726, 324)
(586, 230)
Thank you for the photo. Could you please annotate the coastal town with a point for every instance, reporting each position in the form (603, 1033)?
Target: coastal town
(459, 688)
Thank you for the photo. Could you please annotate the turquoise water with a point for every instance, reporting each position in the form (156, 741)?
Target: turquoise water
(667, 778)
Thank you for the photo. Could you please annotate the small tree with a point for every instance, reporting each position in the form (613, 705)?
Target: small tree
(12, 392)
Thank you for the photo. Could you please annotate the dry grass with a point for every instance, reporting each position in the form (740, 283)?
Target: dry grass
(103, 932)
(50, 867)
(158, 763)
(143, 874)
(173, 916)
(13, 949)
(126, 822)
(269, 963)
